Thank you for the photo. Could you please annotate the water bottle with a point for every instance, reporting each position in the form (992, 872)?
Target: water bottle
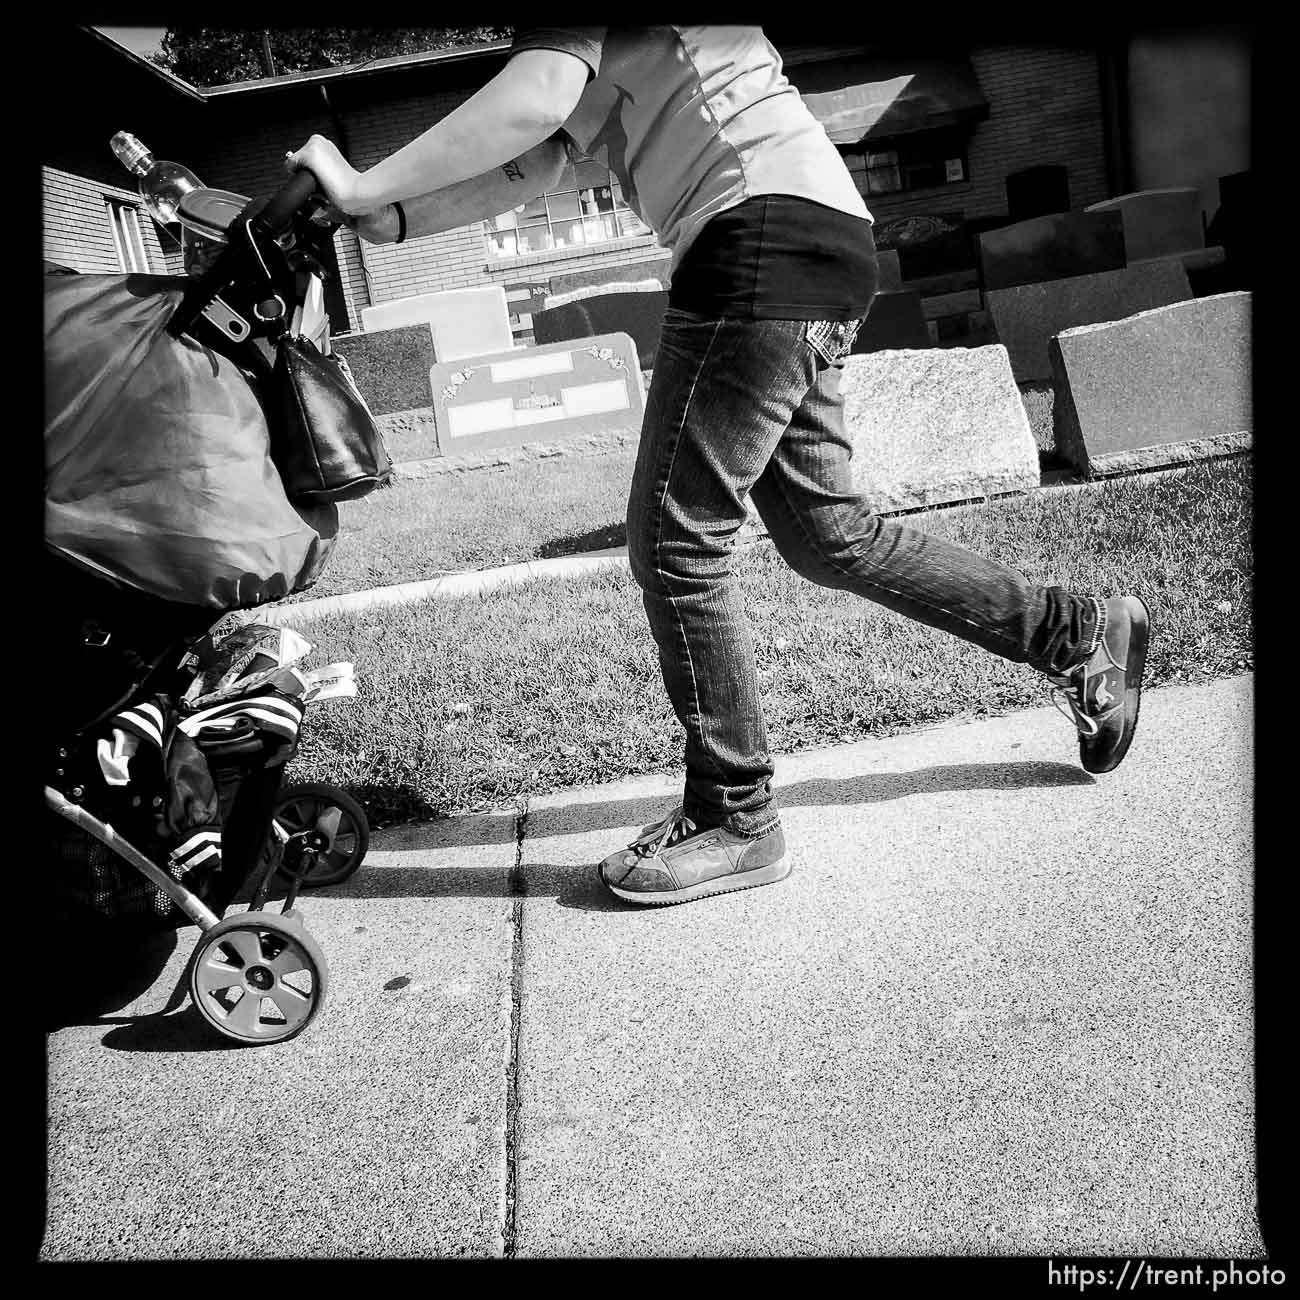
(162, 183)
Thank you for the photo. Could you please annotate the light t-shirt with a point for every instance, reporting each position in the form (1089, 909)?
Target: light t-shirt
(694, 121)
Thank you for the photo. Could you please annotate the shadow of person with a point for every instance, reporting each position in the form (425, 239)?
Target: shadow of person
(578, 885)
(829, 792)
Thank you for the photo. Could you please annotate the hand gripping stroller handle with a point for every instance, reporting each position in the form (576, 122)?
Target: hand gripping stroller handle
(283, 206)
(271, 216)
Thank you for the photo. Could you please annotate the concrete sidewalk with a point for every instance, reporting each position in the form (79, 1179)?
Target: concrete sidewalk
(999, 1007)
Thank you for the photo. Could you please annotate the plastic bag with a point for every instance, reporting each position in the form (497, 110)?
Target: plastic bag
(158, 472)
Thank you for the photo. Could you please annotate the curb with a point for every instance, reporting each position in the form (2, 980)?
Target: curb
(475, 581)
(450, 584)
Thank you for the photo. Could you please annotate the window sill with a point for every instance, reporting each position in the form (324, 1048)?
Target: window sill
(531, 260)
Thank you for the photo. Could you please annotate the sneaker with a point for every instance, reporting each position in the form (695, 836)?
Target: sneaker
(675, 861)
(1103, 694)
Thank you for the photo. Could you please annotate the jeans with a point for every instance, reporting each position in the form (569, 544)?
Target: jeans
(741, 406)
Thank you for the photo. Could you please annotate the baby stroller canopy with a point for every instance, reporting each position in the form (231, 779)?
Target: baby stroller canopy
(158, 473)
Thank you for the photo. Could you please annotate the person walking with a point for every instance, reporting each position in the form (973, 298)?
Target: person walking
(773, 271)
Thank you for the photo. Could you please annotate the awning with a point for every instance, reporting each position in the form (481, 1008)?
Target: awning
(877, 99)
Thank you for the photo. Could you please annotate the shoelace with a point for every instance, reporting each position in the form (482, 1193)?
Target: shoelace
(676, 826)
(1072, 694)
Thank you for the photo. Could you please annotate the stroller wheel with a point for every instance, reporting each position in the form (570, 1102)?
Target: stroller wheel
(338, 820)
(258, 978)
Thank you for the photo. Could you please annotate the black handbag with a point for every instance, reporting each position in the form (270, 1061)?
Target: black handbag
(324, 441)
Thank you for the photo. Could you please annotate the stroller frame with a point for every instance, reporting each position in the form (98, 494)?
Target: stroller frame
(245, 960)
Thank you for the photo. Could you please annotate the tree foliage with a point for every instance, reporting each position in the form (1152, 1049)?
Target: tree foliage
(215, 56)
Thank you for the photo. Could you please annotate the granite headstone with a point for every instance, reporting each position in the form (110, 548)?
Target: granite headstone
(1027, 315)
(543, 393)
(1051, 248)
(1161, 387)
(391, 367)
(934, 426)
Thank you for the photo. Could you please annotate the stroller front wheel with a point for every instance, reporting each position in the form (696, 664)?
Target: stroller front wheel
(258, 978)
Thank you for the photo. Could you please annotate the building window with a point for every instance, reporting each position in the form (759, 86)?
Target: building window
(587, 208)
(924, 162)
(124, 221)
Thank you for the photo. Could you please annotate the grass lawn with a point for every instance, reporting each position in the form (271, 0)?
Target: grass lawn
(479, 701)
(562, 505)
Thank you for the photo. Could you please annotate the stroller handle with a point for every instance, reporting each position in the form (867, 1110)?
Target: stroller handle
(273, 217)
(283, 206)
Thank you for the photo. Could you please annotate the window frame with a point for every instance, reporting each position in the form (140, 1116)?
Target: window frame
(911, 153)
(124, 224)
(618, 210)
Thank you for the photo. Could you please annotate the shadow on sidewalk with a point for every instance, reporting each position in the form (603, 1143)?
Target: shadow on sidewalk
(580, 888)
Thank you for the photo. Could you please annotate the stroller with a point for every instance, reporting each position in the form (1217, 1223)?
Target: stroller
(164, 517)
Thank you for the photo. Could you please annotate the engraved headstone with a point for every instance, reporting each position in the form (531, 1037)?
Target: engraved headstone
(543, 393)
(1158, 388)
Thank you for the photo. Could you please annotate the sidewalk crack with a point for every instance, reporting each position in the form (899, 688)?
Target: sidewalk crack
(518, 892)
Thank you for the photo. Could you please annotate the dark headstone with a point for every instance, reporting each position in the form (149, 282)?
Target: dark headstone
(1233, 227)
(651, 268)
(391, 367)
(1038, 191)
(1157, 222)
(639, 314)
(927, 245)
(894, 321)
(1027, 315)
(1052, 248)
(1158, 388)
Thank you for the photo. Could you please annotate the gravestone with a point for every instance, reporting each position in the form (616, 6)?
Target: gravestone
(649, 268)
(889, 271)
(543, 393)
(927, 244)
(1027, 315)
(1051, 248)
(638, 314)
(1158, 388)
(391, 367)
(1234, 227)
(896, 320)
(936, 426)
(523, 299)
(1038, 191)
(464, 322)
(1157, 223)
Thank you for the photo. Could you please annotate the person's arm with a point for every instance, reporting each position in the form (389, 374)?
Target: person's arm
(523, 105)
(467, 201)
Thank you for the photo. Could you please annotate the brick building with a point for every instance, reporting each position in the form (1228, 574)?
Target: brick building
(926, 137)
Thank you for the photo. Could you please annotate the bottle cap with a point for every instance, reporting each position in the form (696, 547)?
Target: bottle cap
(130, 152)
